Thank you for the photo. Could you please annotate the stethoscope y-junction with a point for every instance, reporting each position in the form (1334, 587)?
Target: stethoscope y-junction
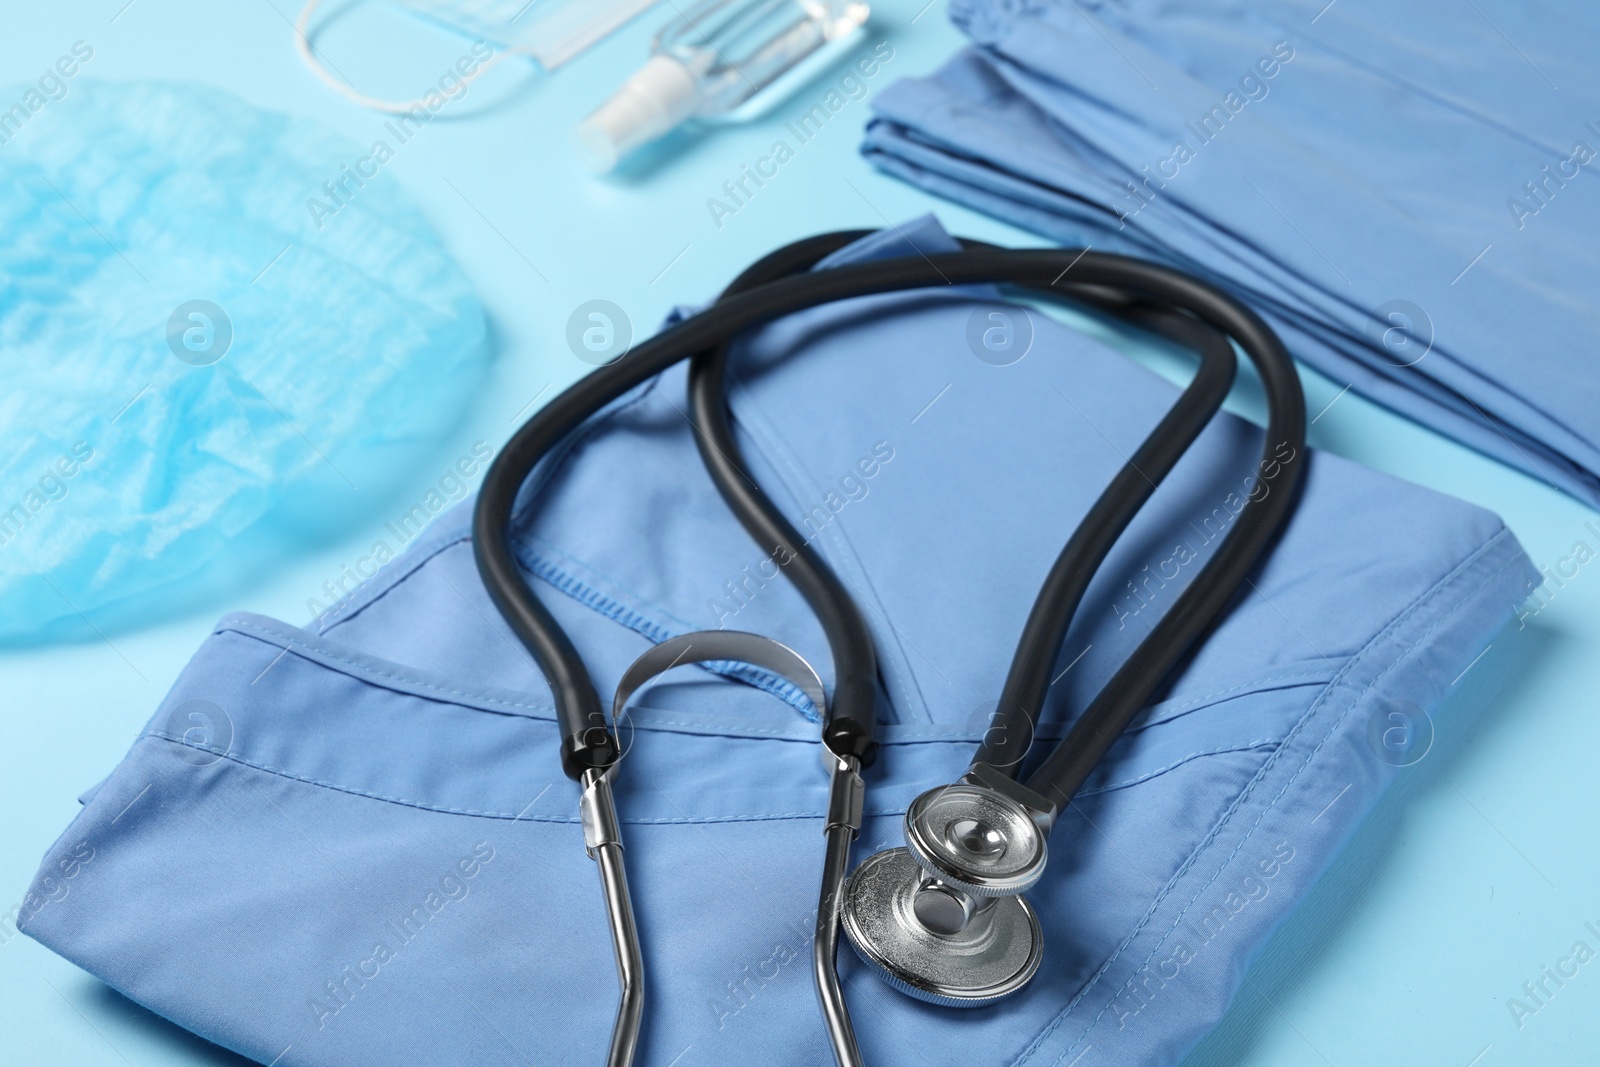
(943, 918)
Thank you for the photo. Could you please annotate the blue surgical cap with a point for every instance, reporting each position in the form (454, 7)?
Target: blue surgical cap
(209, 314)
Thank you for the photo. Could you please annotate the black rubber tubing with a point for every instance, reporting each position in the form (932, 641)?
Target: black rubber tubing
(1010, 732)
(586, 740)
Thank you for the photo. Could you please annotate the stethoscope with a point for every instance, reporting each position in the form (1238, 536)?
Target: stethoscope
(943, 918)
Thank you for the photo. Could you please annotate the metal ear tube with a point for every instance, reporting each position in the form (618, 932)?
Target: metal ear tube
(602, 839)
(602, 832)
(846, 798)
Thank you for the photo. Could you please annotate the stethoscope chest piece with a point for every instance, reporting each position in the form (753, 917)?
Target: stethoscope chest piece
(942, 920)
(979, 839)
(957, 951)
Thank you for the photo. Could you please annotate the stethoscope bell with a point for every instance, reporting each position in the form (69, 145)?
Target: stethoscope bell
(974, 836)
(941, 920)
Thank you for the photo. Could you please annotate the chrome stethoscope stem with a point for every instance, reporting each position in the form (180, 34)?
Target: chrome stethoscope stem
(846, 796)
(602, 837)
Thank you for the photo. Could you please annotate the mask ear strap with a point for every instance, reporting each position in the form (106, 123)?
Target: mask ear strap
(310, 57)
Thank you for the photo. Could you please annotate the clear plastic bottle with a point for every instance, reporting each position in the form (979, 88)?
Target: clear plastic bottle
(708, 62)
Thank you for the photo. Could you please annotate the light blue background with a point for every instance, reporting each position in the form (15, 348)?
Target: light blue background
(1478, 869)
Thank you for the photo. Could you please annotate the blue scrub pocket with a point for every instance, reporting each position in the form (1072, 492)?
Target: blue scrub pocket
(354, 846)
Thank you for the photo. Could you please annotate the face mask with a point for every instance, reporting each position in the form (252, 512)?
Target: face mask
(553, 33)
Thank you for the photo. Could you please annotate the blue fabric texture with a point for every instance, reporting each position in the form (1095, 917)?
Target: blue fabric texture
(1403, 193)
(197, 335)
(355, 846)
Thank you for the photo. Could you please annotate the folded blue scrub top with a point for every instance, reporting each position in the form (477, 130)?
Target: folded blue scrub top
(1401, 189)
(353, 845)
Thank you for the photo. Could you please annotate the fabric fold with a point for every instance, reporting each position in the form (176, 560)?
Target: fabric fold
(1411, 218)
